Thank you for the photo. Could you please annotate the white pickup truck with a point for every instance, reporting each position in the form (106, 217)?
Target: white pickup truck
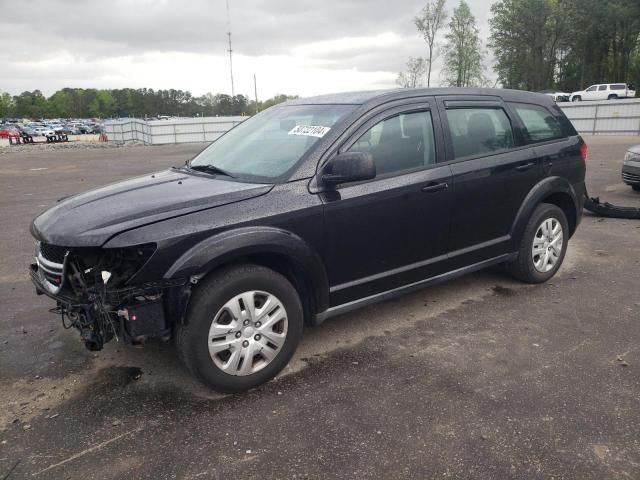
(605, 91)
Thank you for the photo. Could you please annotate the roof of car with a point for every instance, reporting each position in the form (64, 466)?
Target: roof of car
(381, 96)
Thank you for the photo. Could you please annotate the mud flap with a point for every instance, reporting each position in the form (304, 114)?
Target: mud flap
(605, 209)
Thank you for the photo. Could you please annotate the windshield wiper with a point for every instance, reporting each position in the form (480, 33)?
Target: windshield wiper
(210, 169)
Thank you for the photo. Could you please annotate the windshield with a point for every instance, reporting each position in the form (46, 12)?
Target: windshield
(266, 147)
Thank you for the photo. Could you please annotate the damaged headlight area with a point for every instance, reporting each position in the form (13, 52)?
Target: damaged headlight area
(95, 293)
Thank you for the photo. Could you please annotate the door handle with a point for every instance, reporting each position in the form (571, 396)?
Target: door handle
(435, 187)
(525, 166)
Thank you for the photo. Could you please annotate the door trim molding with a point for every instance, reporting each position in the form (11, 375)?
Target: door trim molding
(413, 266)
(379, 297)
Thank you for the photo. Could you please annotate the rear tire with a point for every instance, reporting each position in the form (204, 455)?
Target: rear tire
(543, 245)
(241, 314)
(577, 98)
(612, 97)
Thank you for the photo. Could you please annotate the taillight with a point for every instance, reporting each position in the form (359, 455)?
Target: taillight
(583, 151)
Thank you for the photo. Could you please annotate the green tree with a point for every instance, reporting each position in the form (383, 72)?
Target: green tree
(6, 105)
(415, 70)
(429, 22)
(463, 51)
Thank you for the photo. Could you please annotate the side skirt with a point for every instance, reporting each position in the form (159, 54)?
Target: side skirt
(412, 287)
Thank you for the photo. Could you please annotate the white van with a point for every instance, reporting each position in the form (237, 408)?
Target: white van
(605, 91)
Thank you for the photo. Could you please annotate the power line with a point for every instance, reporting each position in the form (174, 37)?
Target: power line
(233, 94)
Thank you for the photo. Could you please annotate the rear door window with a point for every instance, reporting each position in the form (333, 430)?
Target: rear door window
(602, 87)
(476, 131)
(539, 124)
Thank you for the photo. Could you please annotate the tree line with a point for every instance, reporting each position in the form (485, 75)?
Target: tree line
(127, 102)
(537, 44)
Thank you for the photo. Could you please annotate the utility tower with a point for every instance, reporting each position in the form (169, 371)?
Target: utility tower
(233, 94)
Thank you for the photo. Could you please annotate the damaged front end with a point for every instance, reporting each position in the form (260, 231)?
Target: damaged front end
(93, 292)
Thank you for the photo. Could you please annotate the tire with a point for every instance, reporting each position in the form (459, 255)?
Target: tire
(636, 187)
(577, 98)
(524, 268)
(612, 97)
(210, 309)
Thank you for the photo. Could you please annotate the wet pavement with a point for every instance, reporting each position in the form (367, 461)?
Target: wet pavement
(481, 377)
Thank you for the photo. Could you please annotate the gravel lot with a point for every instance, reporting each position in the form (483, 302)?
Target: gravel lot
(481, 378)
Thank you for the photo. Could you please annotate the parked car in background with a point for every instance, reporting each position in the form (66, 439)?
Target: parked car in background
(605, 91)
(308, 210)
(70, 129)
(557, 95)
(44, 131)
(7, 131)
(83, 128)
(28, 130)
(631, 168)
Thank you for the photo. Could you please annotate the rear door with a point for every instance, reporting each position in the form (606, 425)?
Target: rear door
(492, 172)
(392, 230)
(603, 92)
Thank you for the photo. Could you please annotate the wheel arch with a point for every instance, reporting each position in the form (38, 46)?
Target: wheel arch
(274, 248)
(555, 190)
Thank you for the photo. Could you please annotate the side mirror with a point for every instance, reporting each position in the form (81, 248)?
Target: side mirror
(349, 167)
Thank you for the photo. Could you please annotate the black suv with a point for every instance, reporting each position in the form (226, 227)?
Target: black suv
(308, 210)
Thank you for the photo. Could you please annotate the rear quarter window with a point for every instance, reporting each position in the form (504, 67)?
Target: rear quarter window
(539, 124)
(618, 86)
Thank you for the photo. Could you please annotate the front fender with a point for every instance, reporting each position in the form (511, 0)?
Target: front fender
(537, 194)
(228, 246)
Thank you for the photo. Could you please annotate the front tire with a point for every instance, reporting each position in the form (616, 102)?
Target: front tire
(243, 325)
(577, 98)
(636, 188)
(543, 245)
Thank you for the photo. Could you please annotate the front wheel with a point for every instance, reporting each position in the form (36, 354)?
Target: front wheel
(636, 188)
(577, 98)
(543, 245)
(242, 328)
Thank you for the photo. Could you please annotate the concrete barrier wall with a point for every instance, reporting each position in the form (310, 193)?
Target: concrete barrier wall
(161, 132)
(607, 117)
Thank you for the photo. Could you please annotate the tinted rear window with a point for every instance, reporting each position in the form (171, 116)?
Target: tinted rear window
(539, 124)
(479, 130)
(618, 86)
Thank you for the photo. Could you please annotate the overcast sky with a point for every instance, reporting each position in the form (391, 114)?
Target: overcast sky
(302, 47)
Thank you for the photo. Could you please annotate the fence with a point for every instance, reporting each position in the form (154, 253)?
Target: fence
(159, 132)
(607, 117)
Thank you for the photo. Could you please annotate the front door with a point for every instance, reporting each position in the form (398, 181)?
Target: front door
(390, 231)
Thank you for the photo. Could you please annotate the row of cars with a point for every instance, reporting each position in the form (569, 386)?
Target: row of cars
(603, 91)
(49, 129)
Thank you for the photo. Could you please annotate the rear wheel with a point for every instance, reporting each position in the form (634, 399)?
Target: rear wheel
(543, 245)
(577, 98)
(244, 324)
(612, 97)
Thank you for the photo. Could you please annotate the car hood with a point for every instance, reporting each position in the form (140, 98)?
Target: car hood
(92, 218)
(634, 149)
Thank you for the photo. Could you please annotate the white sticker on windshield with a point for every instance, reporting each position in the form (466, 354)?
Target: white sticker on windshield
(309, 130)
